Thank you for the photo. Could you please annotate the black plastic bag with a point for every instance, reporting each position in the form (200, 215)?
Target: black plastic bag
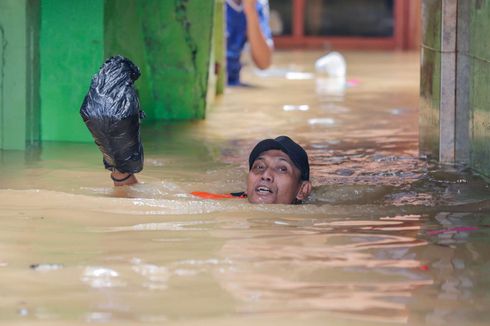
(111, 111)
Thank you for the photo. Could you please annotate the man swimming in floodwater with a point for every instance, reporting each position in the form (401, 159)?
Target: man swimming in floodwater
(279, 171)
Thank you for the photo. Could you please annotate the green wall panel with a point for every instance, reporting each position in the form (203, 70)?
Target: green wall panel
(431, 23)
(123, 34)
(171, 42)
(2, 83)
(430, 78)
(18, 88)
(479, 29)
(430, 96)
(220, 46)
(480, 126)
(13, 74)
(50, 50)
(479, 53)
(178, 42)
(33, 103)
(71, 45)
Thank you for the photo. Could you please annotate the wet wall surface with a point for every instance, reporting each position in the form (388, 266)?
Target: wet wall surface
(469, 71)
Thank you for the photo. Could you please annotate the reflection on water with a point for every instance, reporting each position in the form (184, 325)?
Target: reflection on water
(339, 266)
(385, 237)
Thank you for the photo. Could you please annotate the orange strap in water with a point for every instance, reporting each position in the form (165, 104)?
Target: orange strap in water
(209, 195)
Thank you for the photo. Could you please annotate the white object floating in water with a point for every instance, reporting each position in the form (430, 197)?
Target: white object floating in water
(293, 75)
(302, 107)
(287, 73)
(46, 267)
(100, 277)
(331, 86)
(321, 121)
(23, 312)
(98, 317)
(397, 111)
(281, 223)
(332, 64)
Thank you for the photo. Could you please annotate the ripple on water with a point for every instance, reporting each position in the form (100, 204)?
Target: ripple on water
(98, 317)
(358, 267)
(156, 277)
(101, 277)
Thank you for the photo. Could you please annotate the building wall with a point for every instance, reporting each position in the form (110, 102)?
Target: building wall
(219, 44)
(50, 49)
(72, 50)
(470, 120)
(479, 83)
(171, 42)
(430, 83)
(19, 98)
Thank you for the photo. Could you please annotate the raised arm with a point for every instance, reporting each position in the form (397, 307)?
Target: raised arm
(261, 51)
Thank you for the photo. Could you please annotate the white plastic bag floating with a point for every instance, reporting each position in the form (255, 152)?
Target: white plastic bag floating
(333, 64)
(330, 86)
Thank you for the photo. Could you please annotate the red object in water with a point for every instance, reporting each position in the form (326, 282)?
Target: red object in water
(424, 267)
(453, 230)
(353, 82)
(209, 195)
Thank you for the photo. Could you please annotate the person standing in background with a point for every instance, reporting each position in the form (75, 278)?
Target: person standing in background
(247, 21)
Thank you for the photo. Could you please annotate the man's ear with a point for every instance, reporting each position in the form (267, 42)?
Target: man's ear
(304, 190)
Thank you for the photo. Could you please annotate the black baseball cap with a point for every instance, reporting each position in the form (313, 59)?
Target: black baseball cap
(295, 152)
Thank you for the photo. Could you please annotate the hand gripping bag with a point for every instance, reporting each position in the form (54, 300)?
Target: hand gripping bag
(111, 111)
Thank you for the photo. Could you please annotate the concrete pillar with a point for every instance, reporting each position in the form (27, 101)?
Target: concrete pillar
(447, 127)
(463, 70)
(430, 82)
(455, 82)
(445, 74)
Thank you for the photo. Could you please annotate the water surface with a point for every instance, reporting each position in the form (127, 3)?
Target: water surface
(385, 238)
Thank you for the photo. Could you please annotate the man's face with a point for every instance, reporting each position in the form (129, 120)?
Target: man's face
(273, 179)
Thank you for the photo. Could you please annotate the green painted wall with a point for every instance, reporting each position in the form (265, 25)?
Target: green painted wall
(72, 50)
(50, 49)
(171, 42)
(19, 105)
(430, 83)
(180, 51)
(217, 62)
(33, 101)
(123, 34)
(220, 46)
(479, 99)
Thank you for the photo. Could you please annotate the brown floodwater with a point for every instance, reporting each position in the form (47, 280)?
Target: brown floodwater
(386, 237)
